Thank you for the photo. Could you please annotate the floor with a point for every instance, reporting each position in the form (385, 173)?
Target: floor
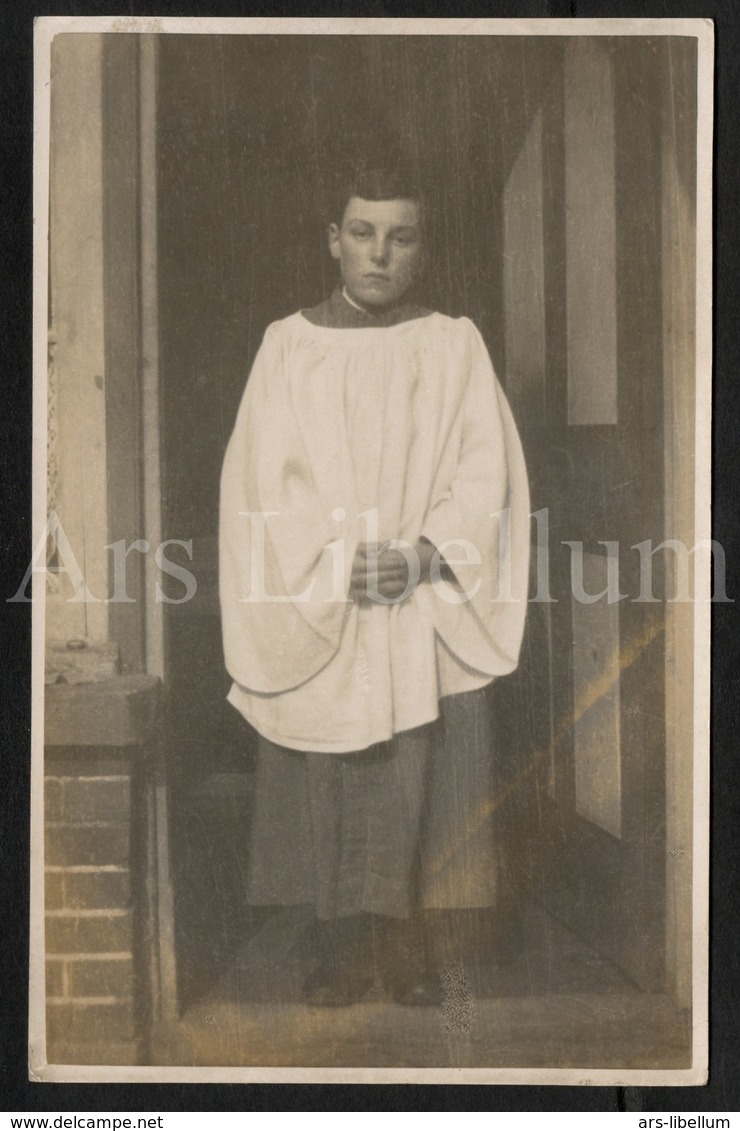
(557, 1004)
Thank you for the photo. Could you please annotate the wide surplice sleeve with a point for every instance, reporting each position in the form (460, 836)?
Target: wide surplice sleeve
(480, 521)
(283, 607)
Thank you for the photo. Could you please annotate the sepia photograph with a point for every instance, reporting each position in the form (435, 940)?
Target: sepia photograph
(372, 568)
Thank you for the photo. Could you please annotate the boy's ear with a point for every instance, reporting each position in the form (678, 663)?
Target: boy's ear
(334, 240)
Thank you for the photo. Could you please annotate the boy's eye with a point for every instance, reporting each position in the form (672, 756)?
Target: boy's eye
(361, 233)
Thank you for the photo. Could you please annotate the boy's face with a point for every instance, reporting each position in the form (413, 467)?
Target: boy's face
(379, 248)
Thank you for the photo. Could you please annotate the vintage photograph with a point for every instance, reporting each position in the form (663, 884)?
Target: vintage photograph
(372, 572)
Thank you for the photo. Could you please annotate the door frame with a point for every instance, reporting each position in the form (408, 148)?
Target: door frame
(679, 375)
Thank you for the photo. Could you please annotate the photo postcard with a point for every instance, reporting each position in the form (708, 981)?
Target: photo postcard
(372, 566)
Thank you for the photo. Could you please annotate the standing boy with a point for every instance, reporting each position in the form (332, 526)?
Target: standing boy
(374, 564)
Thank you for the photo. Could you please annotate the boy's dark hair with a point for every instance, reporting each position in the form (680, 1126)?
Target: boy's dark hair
(374, 182)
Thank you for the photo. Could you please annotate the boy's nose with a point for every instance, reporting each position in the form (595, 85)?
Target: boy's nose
(379, 253)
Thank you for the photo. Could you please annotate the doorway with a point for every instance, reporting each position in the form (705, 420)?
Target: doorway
(246, 128)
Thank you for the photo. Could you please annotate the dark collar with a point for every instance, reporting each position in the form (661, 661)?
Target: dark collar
(339, 314)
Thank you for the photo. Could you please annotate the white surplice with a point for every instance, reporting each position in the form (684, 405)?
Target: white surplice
(355, 435)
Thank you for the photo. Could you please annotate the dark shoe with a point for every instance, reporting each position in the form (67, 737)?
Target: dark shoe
(426, 991)
(331, 988)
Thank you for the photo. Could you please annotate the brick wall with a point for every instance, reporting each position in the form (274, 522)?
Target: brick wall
(93, 1007)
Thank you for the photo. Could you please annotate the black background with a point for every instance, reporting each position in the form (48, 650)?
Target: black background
(16, 126)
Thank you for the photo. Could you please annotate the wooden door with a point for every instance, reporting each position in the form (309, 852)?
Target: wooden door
(584, 373)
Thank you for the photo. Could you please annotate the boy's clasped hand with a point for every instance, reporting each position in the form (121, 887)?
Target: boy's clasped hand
(383, 573)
